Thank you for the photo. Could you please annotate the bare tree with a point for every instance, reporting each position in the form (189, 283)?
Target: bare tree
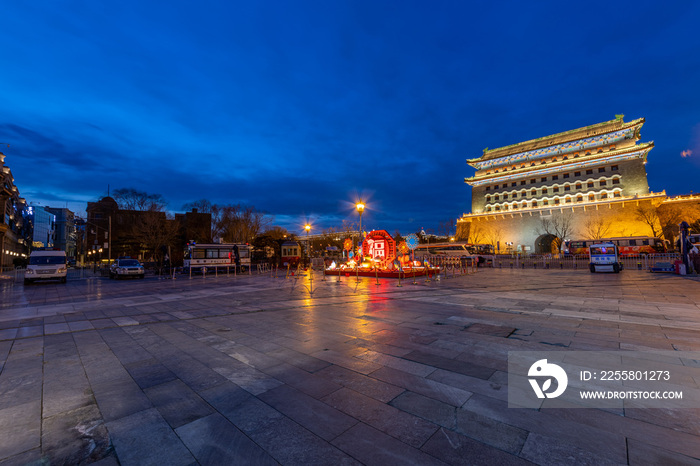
(647, 214)
(202, 205)
(671, 214)
(154, 232)
(476, 233)
(239, 224)
(493, 235)
(447, 227)
(131, 199)
(560, 226)
(277, 233)
(349, 228)
(597, 226)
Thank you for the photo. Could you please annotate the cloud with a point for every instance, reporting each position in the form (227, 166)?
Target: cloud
(686, 153)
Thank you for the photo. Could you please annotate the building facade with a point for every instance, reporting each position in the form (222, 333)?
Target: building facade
(64, 230)
(584, 183)
(13, 241)
(42, 225)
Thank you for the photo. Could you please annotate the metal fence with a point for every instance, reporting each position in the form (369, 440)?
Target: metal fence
(548, 261)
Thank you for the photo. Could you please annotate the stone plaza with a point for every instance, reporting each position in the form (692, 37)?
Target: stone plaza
(263, 369)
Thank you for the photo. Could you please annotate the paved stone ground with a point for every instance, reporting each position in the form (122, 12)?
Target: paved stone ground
(256, 370)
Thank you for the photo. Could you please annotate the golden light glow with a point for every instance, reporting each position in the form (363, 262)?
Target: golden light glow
(360, 206)
(307, 227)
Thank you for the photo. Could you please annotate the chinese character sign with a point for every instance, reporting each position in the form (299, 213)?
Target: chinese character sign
(380, 246)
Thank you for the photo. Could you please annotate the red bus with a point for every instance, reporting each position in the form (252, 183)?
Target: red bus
(628, 246)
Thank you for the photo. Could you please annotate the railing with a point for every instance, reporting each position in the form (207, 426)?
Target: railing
(580, 261)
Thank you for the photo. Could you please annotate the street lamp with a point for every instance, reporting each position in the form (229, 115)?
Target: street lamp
(307, 227)
(360, 206)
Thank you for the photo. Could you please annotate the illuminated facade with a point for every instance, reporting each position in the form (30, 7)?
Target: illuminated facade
(588, 176)
(13, 244)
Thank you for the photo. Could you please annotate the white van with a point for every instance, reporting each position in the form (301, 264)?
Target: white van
(46, 265)
(605, 257)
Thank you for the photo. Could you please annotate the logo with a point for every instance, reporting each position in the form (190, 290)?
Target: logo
(551, 371)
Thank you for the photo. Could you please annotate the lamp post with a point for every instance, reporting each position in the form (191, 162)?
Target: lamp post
(307, 227)
(360, 206)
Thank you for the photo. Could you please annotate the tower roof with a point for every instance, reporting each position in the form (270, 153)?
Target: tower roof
(558, 138)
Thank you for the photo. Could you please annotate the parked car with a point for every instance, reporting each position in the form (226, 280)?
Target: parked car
(126, 267)
(46, 265)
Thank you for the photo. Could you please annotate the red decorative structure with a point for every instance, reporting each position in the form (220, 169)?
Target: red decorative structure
(381, 247)
(380, 260)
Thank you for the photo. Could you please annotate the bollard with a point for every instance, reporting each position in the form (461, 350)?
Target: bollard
(561, 265)
(546, 265)
(522, 264)
(639, 265)
(511, 265)
(534, 265)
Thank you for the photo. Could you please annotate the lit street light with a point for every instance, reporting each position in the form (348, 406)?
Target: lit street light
(307, 227)
(360, 206)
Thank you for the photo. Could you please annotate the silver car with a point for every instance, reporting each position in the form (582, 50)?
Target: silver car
(126, 268)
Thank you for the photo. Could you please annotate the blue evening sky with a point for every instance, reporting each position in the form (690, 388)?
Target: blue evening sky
(299, 107)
